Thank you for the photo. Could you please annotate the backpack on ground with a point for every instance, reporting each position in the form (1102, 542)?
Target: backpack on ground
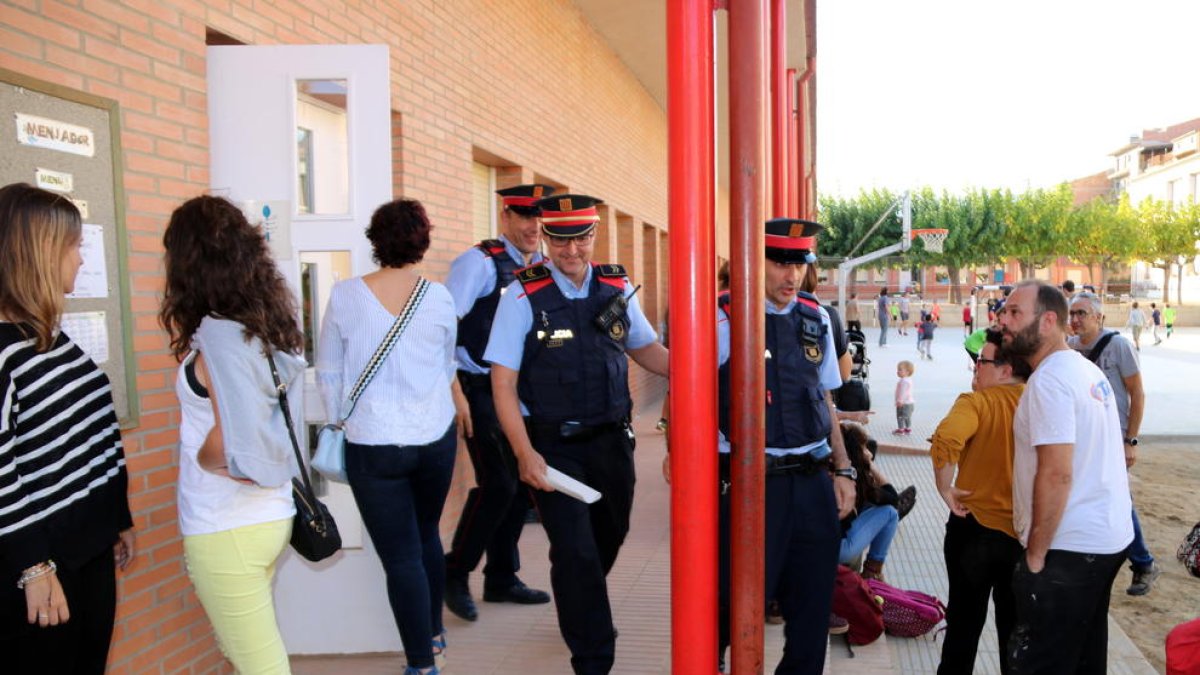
(908, 613)
(854, 602)
(1189, 551)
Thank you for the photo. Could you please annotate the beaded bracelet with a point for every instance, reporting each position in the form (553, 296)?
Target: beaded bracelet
(38, 570)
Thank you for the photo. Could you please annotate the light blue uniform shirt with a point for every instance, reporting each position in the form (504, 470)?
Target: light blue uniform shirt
(514, 320)
(473, 276)
(831, 377)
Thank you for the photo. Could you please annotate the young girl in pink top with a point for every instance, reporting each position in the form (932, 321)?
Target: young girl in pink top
(904, 398)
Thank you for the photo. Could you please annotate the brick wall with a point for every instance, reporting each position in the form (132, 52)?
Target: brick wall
(527, 81)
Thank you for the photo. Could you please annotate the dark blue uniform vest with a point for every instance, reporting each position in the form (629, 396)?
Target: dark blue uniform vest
(796, 410)
(570, 369)
(476, 326)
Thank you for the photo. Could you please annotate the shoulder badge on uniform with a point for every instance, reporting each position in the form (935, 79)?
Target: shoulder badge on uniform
(812, 352)
(611, 270)
(492, 247)
(534, 278)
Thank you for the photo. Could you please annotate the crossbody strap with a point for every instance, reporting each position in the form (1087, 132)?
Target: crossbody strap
(385, 347)
(281, 391)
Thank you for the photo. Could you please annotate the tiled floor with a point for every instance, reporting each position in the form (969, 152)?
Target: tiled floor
(524, 640)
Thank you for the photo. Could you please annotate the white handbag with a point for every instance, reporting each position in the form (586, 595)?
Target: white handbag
(330, 458)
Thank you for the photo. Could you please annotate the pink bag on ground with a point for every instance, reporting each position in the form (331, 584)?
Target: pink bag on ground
(908, 613)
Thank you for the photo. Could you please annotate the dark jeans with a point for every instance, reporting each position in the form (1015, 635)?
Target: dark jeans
(1139, 554)
(979, 564)
(883, 326)
(802, 541)
(585, 538)
(854, 325)
(494, 513)
(400, 491)
(1062, 614)
(79, 646)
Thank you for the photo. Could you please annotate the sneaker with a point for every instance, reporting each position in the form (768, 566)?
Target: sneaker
(1143, 580)
(838, 625)
(439, 650)
(898, 432)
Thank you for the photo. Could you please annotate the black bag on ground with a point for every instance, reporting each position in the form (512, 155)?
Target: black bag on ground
(853, 395)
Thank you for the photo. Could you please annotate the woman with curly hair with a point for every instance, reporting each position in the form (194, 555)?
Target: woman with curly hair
(227, 307)
(400, 439)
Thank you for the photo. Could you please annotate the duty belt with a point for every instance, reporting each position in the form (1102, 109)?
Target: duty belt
(471, 381)
(571, 430)
(776, 465)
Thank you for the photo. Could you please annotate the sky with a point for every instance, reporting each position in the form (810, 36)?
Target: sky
(1016, 94)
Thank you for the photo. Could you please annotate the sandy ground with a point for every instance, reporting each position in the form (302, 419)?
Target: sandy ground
(1166, 491)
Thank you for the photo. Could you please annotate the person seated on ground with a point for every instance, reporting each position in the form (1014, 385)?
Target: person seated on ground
(873, 523)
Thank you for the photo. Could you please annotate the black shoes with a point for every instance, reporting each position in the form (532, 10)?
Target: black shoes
(518, 593)
(458, 599)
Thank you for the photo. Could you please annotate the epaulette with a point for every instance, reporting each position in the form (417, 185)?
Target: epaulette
(612, 274)
(491, 247)
(534, 278)
(724, 301)
(808, 299)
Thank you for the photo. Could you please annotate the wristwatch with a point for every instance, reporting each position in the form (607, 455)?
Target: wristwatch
(1132, 442)
(849, 472)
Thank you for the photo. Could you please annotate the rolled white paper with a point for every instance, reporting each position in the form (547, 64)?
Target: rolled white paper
(571, 487)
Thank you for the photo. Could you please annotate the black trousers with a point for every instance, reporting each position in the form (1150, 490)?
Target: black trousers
(1062, 614)
(802, 539)
(979, 565)
(77, 647)
(585, 538)
(854, 325)
(494, 513)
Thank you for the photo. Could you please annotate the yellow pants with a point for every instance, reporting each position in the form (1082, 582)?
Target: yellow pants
(232, 572)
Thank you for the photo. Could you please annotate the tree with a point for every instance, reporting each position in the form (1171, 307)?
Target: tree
(1038, 227)
(1104, 233)
(1168, 231)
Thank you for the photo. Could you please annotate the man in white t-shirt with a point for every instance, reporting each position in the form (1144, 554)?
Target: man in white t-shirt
(1070, 492)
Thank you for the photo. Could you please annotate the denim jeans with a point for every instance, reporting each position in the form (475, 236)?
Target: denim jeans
(1062, 614)
(1139, 553)
(400, 491)
(874, 527)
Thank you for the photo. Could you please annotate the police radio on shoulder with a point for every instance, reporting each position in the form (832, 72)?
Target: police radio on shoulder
(613, 310)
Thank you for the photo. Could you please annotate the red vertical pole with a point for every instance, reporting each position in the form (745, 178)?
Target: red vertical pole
(749, 100)
(781, 174)
(795, 175)
(693, 337)
(805, 178)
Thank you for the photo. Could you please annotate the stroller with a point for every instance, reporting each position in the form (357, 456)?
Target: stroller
(854, 394)
(857, 344)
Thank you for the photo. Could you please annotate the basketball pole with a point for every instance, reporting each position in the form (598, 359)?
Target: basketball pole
(847, 266)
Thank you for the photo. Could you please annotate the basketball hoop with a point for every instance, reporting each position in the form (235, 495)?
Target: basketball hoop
(933, 238)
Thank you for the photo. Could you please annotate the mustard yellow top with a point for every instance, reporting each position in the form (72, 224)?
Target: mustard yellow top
(977, 435)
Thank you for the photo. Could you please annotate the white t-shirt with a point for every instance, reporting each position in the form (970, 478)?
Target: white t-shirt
(1068, 400)
(207, 502)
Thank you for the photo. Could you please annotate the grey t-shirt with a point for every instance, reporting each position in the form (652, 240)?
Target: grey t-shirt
(1118, 361)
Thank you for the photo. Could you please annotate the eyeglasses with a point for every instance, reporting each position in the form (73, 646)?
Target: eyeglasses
(995, 362)
(562, 242)
(1078, 313)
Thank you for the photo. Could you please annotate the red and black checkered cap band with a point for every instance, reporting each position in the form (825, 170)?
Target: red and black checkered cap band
(518, 200)
(790, 243)
(569, 223)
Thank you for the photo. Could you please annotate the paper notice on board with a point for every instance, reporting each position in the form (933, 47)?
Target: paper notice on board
(92, 281)
(42, 132)
(89, 331)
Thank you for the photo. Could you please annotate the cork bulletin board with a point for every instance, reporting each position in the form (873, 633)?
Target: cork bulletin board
(68, 142)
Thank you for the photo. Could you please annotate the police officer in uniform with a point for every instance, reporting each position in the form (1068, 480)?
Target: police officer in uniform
(560, 380)
(810, 482)
(494, 513)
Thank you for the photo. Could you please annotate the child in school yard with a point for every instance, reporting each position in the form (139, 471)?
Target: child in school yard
(904, 397)
(925, 332)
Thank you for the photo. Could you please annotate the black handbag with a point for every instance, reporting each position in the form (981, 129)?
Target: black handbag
(314, 532)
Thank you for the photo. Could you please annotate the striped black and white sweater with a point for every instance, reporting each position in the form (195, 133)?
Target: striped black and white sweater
(62, 469)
